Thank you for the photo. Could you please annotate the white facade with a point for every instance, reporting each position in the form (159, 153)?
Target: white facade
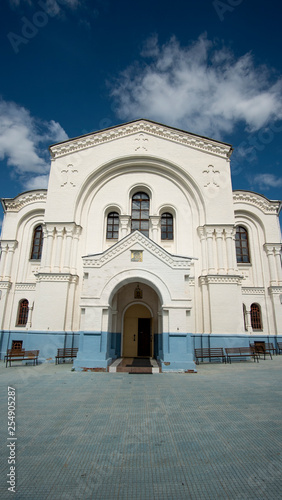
(82, 287)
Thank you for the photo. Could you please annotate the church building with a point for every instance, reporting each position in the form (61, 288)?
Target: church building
(139, 248)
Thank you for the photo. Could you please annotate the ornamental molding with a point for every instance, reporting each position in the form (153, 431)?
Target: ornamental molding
(25, 286)
(275, 290)
(140, 128)
(220, 279)
(250, 290)
(5, 285)
(127, 243)
(24, 199)
(56, 277)
(256, 200)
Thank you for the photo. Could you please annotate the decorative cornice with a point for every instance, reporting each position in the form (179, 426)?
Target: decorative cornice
(275, 290)
(256, 200)
(66, 277)
(141, 126)
(23, 199)
(173, 261)
(220, 279)
(5, 285)
(25, 286)
(253, 290)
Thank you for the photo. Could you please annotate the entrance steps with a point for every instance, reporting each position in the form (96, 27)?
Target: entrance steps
(135, 365)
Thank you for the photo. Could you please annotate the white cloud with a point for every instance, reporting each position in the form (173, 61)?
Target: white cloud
(267, 181)
(202, 88)
(24, 141)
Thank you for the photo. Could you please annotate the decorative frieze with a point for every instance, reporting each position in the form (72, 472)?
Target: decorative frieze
(19, 287)
(15, 204)
(173, 261)
(220, 279)
(57, 277)
(141, 127)
(250, 290)
(257, 200)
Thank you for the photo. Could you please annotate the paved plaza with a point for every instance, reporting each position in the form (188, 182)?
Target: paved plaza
(215, 434)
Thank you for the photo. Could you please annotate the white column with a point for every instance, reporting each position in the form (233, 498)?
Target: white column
(69, 237)
(58, 255)
(204, 249)
(219, 248)
(47, 248)
(209, 234)
(9, 259)
(155, 220)
(73, 260)
(271, 263)
(277, 255)
(230, 248)
(4, 250)
(124, 224)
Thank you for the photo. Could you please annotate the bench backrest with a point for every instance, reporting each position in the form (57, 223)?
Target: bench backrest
(209, 350)
(67, 350)
(15, 352)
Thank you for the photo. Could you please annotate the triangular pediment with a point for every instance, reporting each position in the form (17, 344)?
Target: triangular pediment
(137, 242)
(141, 126)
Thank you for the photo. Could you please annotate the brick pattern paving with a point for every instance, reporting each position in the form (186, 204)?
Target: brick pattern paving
(212, 435)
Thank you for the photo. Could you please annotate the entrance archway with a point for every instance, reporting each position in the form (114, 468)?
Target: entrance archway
(137, 332)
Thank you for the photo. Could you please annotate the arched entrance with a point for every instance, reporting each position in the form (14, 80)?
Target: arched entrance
(137, 332)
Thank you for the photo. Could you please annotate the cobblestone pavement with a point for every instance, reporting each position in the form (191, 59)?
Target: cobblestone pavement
(215, 434)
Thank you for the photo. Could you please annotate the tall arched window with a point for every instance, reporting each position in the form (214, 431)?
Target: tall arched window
(256, 317)
(37, 243)
(112, 226)
(242, 244)
(167, 226)
(140, 213)
(22, 313)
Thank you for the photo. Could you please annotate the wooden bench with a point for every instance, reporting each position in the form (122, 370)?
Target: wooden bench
(279, 346)
(66, 353)
(241, 352)
(21, 355)
(260, 348)
(209, 352)
(270, 347)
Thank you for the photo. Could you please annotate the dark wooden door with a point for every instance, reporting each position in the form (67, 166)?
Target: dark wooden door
(144, 336)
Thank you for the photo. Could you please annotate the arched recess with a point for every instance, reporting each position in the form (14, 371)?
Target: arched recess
(120, 296)
(173, 172)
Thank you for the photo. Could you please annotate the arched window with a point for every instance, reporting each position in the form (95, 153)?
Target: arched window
(242, 244)
(256, 317)
(140, 213)
(22, 313)
(37, 243)
(167, 226)
(112, 226)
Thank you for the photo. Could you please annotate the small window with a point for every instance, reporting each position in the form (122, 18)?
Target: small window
(140, 213)
(242, 245)
(167, 226)
(112, 226)
(256, 317)
(22, 313)
(37, 243)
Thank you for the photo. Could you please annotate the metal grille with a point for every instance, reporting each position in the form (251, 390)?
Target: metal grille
(256, 317)
(23, 313)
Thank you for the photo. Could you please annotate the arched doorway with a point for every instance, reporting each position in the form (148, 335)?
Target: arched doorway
(137, 332)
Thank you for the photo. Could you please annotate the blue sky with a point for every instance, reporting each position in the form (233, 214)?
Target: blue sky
(69, 67)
